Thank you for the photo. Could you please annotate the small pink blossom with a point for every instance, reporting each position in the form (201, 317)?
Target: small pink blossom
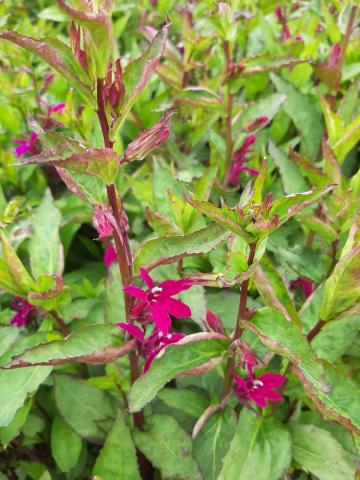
(239, 158)
(151, 346)
(49, 122)
(213, 322)
(261, 389)
(26, 146)
(103, 220)
(305, 284)
(158, 301)
(23, 310)
(335, 55)
(110, 256)
(299, 39)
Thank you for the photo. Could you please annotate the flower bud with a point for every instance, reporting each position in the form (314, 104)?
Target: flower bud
(256, 123)
(148, 140)
(213, 322)
(103, 221)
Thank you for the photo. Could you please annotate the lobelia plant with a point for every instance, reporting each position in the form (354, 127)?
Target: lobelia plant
(166, 310)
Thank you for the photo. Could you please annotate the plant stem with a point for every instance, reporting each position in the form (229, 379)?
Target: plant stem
(229, 110)
(315, 330)
(242, 315)
(122, 245)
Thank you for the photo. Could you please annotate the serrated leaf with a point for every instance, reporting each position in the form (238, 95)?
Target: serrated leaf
(65, 445)
(86, 187)
(17, 385)
(193, 351)
(138, 73)
(99, 162)
(261, 449)
(333, 394)
(86, 409)
(45, 248)
(57, 55)
(288, 206)
(309, 445)
(168, 447)
(15, 274)
(94, 344)
(342, 288)
(212, 442)
(117, 459)
(305, 116)
(165, 250)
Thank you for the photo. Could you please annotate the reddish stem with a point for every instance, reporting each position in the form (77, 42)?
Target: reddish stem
(314, 331)
(123, 249)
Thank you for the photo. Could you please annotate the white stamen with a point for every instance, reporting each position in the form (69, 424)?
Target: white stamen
(169, 335)
(257, 383)
(160, 334)
(156, 289)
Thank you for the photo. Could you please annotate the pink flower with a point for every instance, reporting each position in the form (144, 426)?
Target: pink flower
(103, 220)
(49, 122)
(260, 389)
(158, 301)
(256, 123)
(213, 322)
(26, 146)
(110, 255)
(239, 158)
(335, 55)
(23, 309)
(305, 284)
(150, 347)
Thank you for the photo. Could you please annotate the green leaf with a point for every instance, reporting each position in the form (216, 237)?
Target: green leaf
(268, 106)
(342, 288)
(45, 248)
(17, 385)
(99, 162)
(88, 188)
(8, 336)
(332, 393)
(114, 300)
(117, 459)
(310, 443)
(16, 276)
(260, 449)
(138, 73)
(172, 248)
(193, 351)
(292, 179)
(168, 447)
(86, 409)
(314, 224)
(288, 206)
(347, 139)
(65, 445)
(305, 116)
(313, 173)
(12, 430)
(225, 216)
(100, 36)
(58, 56)
(91, 344)
(191, 402)
(212, 442)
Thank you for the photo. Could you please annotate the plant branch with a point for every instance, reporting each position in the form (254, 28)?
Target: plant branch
(229, 111)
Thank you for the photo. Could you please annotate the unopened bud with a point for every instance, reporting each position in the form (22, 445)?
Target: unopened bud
(256, 123)
(148, 140)
(103, 221)
(114, 86)
(213, 322)
(335, 55)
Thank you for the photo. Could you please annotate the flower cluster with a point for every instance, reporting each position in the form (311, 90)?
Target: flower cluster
(156, 304)
(23, 310)
(259, 390)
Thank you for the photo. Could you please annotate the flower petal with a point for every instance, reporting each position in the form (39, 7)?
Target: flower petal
(133, 330)
(174, 307)
(272, 380)
(147, 279)
(172, 287)
(135, 292)
(160, 317)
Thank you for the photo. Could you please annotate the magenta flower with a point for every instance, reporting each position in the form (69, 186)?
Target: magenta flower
(110, 255)
(334, 56)
(103, 220)
(239, 158)
(23, 311)
(158, 301)
(261, 389)
(305, 284)
(213, 322)
(49, 122)
(151, 346)
(26, 146)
